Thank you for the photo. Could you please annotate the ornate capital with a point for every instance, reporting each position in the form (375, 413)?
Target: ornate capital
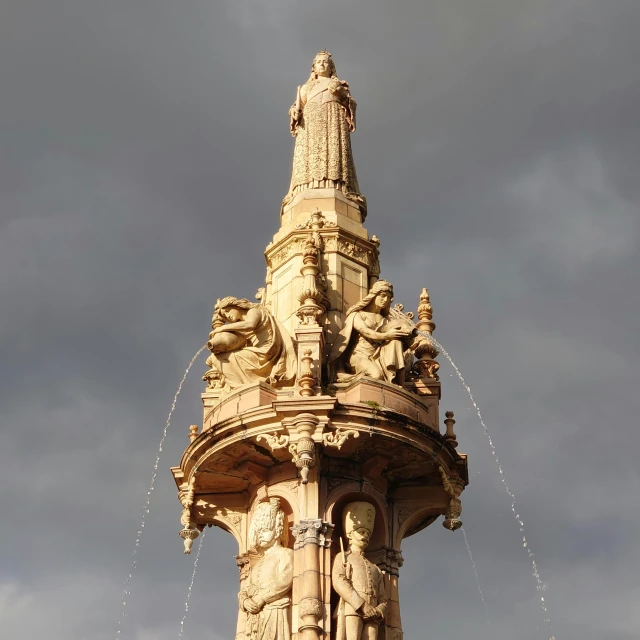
(312, 531)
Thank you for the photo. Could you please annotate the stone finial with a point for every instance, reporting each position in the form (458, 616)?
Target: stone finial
(426, 352)
(425, 313)
(193, 432)
(189, 532)
(450, 435)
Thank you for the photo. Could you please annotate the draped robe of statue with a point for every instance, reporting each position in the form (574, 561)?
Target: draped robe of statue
(269, 355)
(351, 349)
(322, 156)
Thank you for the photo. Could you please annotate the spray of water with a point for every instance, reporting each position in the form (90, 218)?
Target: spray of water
(540, 585)
(145, 510)
(193, 577)
(475, 573)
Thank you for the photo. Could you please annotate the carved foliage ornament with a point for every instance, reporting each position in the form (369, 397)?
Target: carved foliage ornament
(338, 437)
(274, 441)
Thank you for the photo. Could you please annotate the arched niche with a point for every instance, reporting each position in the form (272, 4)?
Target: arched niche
(352, 492)
(289, 508)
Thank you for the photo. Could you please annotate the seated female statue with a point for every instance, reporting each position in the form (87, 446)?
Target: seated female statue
(372, 343)
(251, 345)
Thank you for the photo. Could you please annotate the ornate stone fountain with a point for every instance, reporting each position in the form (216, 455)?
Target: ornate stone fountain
(321, 446)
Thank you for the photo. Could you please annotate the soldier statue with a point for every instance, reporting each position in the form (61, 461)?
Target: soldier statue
(358, 582)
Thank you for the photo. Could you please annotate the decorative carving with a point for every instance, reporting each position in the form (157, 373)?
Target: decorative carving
(358, 582)
(398, 312)
(303, 450)
(249, 344)
(306, 379)
(244, 566)
(310, 297)
(394, 556)
(404, 513)
(355, 251)
(317, 221)
(193, 432)
(426, 366)
(189, 531)
(375, 341)
(310, 607)
(265, 596)
(292, 485)
(338, 437)
(235, 519)
(312, 531)
(283, 254)
(214, 379)
(331, 243)
(453, 486)
(322, 119)
(304, 457)
(274, 440)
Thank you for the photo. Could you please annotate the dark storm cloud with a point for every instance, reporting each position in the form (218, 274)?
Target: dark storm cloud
(497, 145)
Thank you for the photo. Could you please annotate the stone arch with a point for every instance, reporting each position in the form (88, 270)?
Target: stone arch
(237, 528)
(289, 507)
(415, 521)
(351, 492)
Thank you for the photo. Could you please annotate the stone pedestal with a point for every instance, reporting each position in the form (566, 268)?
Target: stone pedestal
(349, 258)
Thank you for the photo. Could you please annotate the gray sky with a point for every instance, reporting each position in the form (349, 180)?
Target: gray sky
(144, 152)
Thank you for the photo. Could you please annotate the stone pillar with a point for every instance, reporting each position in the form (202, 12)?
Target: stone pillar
(312, 537)
(393, 621)
(389, 561)
(244, 566)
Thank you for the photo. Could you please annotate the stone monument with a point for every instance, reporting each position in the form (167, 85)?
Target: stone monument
(321, 446)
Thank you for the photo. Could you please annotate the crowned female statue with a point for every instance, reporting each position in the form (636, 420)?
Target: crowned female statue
(374, 339)
(265, 597)
(322, 119)
(248, 345)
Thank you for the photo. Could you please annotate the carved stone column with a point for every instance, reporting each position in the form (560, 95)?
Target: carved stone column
(244, 566)
(313, 303)
(313, 536)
